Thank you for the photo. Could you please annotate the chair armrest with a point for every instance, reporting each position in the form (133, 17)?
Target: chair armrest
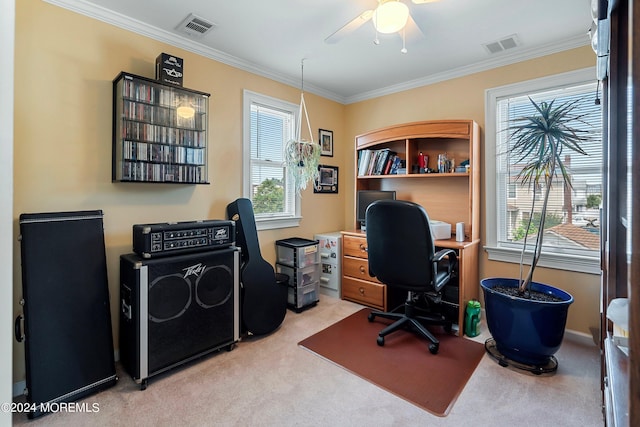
(452, 257)
(439, 256)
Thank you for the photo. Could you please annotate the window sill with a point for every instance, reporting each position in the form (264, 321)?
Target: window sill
(588, 265)
(275, 223)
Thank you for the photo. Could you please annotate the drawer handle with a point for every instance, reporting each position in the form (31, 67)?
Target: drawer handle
(362, 269)
(363, 248)
(361, 290)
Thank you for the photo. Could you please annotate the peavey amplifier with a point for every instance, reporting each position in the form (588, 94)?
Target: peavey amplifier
(176, 309)
(164, 239)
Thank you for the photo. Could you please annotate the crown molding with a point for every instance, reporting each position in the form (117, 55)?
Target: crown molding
(139, 27)
(499, 60)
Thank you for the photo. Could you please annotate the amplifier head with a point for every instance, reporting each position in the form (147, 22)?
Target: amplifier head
(163, 239)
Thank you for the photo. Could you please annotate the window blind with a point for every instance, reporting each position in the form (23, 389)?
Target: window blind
(577, 206)
(271, 192)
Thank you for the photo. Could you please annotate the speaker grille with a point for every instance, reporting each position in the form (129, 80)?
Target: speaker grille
(169, 297)
(214, 287)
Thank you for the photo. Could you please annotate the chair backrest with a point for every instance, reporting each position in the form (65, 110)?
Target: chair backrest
(400, 244)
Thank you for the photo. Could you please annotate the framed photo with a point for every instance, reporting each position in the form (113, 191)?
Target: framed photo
(326, 142)
(327, 180)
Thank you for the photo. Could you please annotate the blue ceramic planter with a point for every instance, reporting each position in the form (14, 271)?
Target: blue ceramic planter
(525, 331)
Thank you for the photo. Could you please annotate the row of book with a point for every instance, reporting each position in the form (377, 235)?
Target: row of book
(378, 162)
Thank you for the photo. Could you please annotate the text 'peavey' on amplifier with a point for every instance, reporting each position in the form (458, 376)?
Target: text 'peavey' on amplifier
(164, 239)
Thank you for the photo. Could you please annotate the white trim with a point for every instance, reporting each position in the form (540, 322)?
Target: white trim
(121, 21)
(250, 97)
(579, 338)
(19, 388)
(7, 308)
(549, 260)
(116, 19)
(273, 223)
(589, 265)
(488, 64)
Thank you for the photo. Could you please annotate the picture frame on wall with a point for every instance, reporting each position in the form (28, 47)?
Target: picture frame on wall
(325, 138)
(327, 181)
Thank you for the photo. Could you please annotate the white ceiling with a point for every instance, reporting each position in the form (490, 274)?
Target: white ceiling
(271, 38)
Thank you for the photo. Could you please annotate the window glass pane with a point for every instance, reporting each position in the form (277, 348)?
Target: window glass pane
(271, 125)
(572, 224)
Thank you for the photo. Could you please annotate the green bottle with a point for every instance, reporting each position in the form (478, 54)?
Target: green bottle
(472, 319)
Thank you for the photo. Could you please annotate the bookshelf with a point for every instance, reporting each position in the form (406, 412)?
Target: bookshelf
(447, 196)
(159, 132)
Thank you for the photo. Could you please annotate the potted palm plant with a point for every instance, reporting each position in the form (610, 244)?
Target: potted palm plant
(525, 318)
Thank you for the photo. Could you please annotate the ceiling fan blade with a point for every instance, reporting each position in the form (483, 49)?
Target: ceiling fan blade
(349, 27)
(413, 31)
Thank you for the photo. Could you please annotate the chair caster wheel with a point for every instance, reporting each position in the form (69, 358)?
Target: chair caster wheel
(371, 316)
(380, 341)
(433, 348)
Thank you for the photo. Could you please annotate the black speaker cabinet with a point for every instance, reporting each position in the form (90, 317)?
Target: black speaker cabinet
(175, 309)
(67, 322)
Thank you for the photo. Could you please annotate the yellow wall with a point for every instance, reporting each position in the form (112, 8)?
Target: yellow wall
(464, 98)
(65, 64)
(64, 67)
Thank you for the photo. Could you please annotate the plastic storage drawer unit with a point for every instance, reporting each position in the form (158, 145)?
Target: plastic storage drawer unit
(299, 259)
(297, 252)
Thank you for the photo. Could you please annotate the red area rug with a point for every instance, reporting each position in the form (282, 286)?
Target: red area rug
(404, 365)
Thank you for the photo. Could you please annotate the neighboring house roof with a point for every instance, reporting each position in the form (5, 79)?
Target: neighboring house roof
(576, 234)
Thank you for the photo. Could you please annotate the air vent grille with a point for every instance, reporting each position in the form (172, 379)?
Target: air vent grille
(501, 45)
(195, 26)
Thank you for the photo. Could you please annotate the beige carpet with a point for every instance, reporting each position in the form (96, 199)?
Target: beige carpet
(271, 381)
(404, 365)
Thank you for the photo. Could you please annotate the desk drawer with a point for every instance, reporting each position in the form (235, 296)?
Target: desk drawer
(367, 293)
(357, 268)
(355, 246)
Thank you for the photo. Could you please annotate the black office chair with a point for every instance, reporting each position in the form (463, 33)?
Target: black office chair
(402, 254)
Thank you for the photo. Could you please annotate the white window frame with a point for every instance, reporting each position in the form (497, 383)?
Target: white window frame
(583, 264)
(250, 98)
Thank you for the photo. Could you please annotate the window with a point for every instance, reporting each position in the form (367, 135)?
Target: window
(572, 233)
(268, 124)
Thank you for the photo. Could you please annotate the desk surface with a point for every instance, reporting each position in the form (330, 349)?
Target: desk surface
(447, 243)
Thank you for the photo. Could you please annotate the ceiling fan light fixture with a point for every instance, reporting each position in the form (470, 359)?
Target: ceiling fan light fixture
(390, 17)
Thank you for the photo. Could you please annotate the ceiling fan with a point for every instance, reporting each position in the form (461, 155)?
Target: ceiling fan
(390, 16)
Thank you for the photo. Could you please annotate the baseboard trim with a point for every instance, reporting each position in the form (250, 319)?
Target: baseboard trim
(579, 337)
(18, 388)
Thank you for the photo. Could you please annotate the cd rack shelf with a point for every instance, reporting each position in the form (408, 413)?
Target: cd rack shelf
(159, 132)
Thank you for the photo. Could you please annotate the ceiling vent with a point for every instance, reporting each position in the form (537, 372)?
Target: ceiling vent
(195, 26)
(502, 45)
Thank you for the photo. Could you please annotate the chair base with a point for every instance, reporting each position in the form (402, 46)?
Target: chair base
(410, 320)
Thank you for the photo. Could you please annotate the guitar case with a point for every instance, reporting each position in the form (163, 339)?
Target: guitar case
(264, 301)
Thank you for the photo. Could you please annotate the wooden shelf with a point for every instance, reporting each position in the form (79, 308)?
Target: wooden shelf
(416, 176)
